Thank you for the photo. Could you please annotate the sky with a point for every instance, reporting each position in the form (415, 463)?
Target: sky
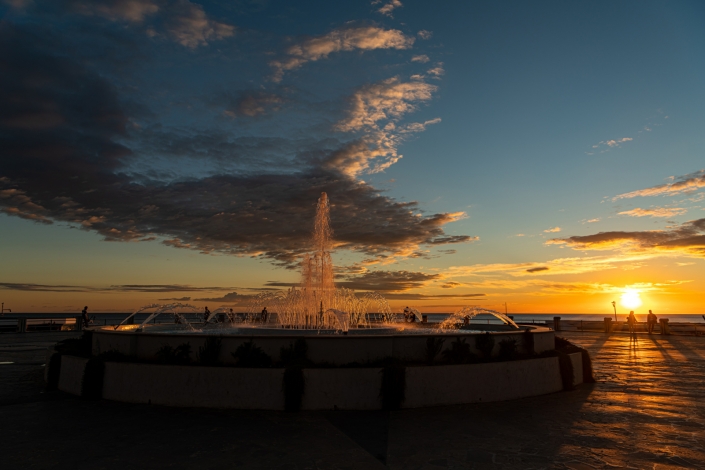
(538, 157)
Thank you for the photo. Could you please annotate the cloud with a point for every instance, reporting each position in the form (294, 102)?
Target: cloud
(18, 4)
(411, 296)
(387, 100)
(178, 299)
(115, 288)
(559, 266)
(685, 239)
(116, 10)
(606, 145)
(391, 281)
(253, 103)
(420, 58)
(229, 297)
(538, 269)
(181, 20)
(592, 221)
(187, 24)
(658, 212)
(363, 38)
(424, 34)
(553, 230)
(683, 184)
(374, 112)
(70, 152)
(388, 7)
(436, 72)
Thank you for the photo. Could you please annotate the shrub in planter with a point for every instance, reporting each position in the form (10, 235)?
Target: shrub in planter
(485, 344)
(528, 338)
(507, 349)
(80, 347)
(433, 348)
(209, 353)
(296, 354)
(175, 356)
(459, 352)
(250, 355)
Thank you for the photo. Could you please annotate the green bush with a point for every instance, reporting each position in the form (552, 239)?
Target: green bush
(294, 385)
(393, 390)
(179, 355)
(459, 352)
(485, 344)
(433, 348)
(250, 355)
(507, 349)
(296, 354)
(209, 353)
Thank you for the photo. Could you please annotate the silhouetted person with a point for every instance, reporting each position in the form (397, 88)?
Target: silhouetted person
(206, 314)
(407, 312)
(631, 322)
(264, 315)
(231, 316)
(651, 321)
(84, 317)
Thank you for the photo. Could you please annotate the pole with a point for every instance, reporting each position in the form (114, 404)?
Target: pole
(614, 305)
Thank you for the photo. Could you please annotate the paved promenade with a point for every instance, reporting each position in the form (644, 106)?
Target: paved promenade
(647, 411)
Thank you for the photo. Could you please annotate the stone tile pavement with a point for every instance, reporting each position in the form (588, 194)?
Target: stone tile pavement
(647, 411)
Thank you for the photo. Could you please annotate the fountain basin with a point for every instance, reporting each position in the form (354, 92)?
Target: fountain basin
(360, 345)
(325, 389)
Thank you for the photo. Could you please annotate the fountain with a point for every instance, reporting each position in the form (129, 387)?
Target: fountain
(463, 317)
(348, 342)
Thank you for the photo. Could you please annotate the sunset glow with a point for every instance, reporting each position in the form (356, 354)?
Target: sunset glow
(474, 154)
(631, 300)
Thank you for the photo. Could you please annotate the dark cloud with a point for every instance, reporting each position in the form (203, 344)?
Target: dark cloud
(66, 148)
(537, 269)
(178, 299)
(386, 281)
(687, 238)
(230, 297)
(253, 103)
(409, 296)
(116, 288)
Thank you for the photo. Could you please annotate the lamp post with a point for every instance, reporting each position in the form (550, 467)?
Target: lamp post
(614, 306)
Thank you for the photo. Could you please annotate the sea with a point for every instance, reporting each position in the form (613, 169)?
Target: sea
(116, 318)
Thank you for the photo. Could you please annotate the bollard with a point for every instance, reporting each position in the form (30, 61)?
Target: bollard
(424, 318)
(22, 325)
(664, 326)
(608, 325)
(557, 323)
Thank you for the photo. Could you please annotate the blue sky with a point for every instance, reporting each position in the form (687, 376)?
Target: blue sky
(474, 151)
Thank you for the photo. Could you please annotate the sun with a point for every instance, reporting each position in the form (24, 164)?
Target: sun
(631, 299)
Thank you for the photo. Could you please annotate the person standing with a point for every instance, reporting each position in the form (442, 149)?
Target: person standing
(264, 315)
(631, 322)
(651, 321)
(84, 317)
(206, 314)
